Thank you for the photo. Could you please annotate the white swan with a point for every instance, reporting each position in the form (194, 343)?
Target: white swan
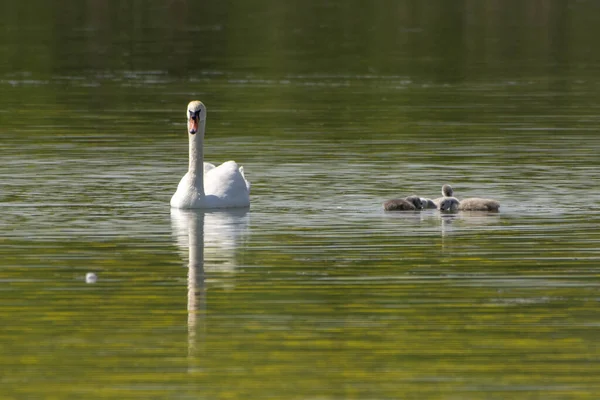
(204, 185)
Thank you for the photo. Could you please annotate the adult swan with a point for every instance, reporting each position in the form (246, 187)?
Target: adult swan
(206, 186)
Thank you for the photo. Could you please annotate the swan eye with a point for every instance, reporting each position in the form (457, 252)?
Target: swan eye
(194, 114)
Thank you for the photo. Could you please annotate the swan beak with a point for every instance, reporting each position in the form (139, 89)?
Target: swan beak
(193, 125)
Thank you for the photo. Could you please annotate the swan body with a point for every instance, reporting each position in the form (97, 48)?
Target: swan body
(206, 186)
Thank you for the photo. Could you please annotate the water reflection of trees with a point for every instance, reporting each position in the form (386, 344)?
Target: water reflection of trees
(446, 41)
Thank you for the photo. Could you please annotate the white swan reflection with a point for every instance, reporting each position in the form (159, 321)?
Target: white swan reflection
(208, 241)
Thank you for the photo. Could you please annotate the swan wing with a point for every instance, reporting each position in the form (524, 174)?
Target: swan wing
(226, 186)
(207, 167)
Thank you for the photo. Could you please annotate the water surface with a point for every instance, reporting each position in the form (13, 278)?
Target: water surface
(314, 292)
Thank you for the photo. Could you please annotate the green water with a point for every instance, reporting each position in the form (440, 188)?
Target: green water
(315, 292)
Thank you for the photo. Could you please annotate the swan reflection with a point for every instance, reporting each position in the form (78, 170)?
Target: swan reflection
(208, 241)
(213, 236)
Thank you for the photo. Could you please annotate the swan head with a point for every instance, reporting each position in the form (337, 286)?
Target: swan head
(196, 114)
(447, 191)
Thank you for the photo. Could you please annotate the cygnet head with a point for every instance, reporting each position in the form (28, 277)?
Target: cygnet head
(196, 114)
(447, 191)
(449, 204)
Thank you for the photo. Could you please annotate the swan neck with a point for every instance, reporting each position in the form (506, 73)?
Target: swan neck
(196, 167)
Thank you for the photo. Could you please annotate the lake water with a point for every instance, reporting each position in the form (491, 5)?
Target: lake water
(315, 292)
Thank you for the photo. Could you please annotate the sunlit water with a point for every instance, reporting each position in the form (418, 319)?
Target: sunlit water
(315, 291)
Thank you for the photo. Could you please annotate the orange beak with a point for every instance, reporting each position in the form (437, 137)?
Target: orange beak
(193, 125)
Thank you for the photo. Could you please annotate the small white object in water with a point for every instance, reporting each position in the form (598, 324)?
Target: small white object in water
(91, 277)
